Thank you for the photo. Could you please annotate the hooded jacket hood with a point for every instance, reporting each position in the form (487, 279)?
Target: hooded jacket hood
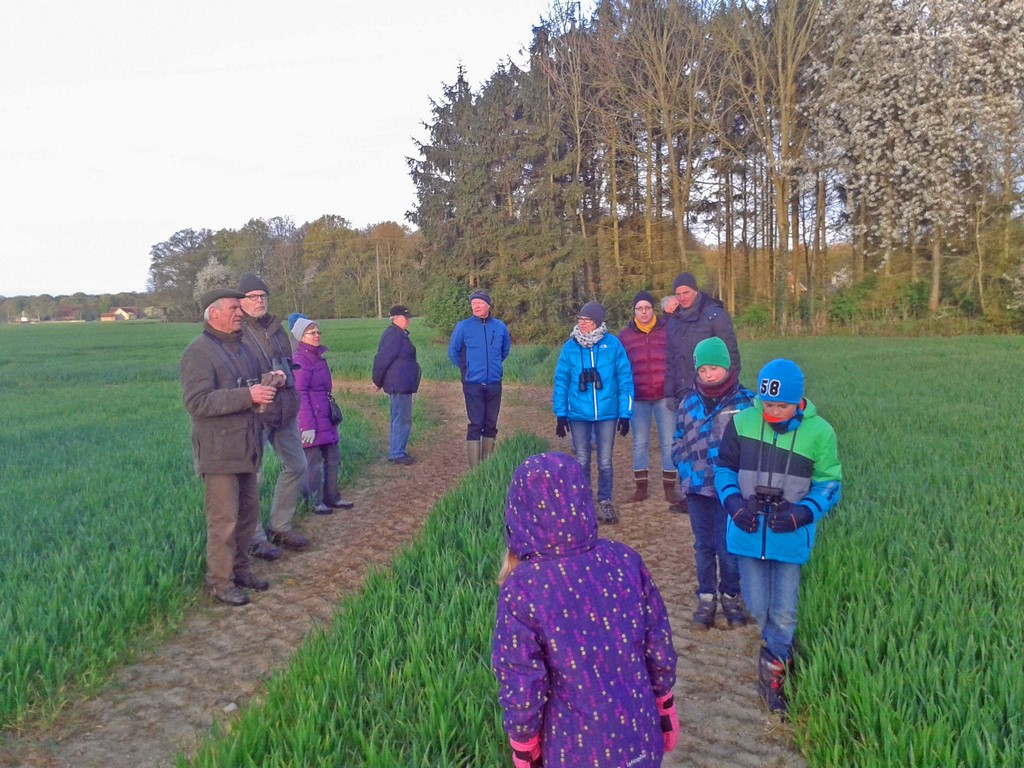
(549, 511)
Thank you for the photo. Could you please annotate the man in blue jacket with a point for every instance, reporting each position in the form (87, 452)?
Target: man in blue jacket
(396, 371)
(478, 346)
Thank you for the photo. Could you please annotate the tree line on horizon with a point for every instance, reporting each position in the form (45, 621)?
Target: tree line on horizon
(812, 162)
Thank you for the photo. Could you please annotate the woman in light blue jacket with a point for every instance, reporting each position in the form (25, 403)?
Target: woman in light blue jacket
(593, 392)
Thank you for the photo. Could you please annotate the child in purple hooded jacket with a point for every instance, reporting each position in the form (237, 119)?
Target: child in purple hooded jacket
(582, 646)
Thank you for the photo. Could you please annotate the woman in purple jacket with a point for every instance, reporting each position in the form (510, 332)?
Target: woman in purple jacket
(582, 646)
(319, 435)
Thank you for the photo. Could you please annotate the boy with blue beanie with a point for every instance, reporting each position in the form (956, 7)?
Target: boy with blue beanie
(777, 475)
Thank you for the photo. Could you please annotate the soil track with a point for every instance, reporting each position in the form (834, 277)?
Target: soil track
(167, 700)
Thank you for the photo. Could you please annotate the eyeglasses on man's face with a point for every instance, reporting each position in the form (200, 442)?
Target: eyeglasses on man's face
(256, 296)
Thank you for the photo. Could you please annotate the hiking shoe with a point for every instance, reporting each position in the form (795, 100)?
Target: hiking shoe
(288, 539)
(343, 503)
(404, 459)
(704, 616)
(264, 550)
(250, 580)
(733, 611)
(230, 595)
(606, 513)
(323, 509)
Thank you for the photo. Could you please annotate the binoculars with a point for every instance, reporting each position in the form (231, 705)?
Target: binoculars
(282, 363)
(588, 376)
(768, 497)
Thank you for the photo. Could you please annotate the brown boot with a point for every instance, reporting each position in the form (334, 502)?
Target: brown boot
(640, 477)
(472, 452)
(670, 483)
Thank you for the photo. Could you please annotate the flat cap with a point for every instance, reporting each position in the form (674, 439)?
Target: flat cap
(218, 293)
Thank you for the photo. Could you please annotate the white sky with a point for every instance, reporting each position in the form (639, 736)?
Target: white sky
(122, 122)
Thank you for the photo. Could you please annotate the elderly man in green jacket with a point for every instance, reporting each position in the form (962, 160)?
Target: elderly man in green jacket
(222, 394)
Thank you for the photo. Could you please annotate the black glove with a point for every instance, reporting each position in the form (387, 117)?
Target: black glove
(623, 427)
(743, 512)
(672, 403)
(788, 517)
(563, 426)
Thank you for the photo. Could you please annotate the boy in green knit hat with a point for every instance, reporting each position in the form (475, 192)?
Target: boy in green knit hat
(716, 395)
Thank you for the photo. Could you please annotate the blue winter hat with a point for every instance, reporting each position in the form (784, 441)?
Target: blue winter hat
(292, 318)
(480, 295)
(781, 381)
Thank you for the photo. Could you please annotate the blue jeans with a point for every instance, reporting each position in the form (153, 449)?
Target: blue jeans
(401, 424)
(483, 402)
(603, 435)
(770, 591)
(707, 519)
(665, 420)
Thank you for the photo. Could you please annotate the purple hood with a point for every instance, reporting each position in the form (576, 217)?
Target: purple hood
(549, 511)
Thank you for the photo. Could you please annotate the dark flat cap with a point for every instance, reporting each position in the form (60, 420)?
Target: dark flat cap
(219, 293)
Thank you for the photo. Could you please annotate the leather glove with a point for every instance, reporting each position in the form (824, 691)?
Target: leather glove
(669, 720)
(623, 427)
(743, 512)
(788, 517)
(563, 426)
(308, 436)
(526, 754)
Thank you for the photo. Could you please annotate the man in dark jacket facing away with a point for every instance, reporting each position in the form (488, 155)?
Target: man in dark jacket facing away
(479, 346)
(221, 391)
(699, 317)
(396, 371)
(264, 336)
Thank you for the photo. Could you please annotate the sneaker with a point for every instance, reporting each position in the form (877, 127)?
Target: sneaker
(323, 509)
(250, 580)
(230, 595)
(264, 550)
(343, 504)
(288, 539)
(404, 459)
(606, 513)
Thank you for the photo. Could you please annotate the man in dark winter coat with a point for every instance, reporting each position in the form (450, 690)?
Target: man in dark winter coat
(699, 317)
(479, 346)
(264, 336)
(396, 371)
(221, 391)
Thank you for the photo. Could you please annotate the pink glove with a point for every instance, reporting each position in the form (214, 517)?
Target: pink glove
(669, 721)
(526, 754)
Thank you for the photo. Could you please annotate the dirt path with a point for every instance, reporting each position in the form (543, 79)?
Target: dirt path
(167, 701)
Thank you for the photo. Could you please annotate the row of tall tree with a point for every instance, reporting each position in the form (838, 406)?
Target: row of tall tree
(770, 129)
(741, 141)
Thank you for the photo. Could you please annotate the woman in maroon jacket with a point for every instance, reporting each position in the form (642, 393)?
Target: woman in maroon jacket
(319, 435)
(644, 340)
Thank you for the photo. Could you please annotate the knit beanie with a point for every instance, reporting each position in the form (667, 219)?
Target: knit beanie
(593, 310)
(249, 282)
(685, 278)
(292, 318)
(781, 381)
(711, 351)
(300, 326)
(643, 296)
(480, 295)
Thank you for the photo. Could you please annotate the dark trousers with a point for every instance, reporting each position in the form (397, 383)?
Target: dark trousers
(483, 401)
